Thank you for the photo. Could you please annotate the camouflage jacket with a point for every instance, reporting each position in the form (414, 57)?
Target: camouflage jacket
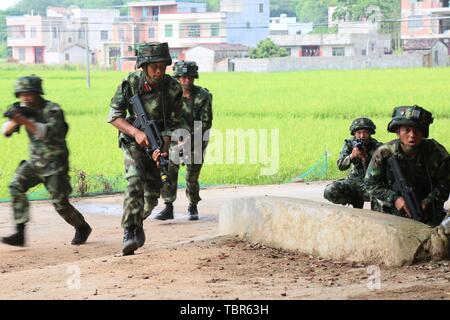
(197, 108)
(358, 168)
(166, 113)
(49, 154)
(428, 173)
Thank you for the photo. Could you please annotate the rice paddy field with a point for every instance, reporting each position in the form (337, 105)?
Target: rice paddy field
(312, 112)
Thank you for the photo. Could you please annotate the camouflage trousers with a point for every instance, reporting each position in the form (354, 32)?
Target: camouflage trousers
(57, 185)
(169, 191)
(143, 186)
(346, 191)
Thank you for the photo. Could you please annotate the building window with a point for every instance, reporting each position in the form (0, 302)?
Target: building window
(144, 12)
(415, 22)
(168, 30)
(155, 13)
(364, 52)
(338, 52)
(104, 35)
(69, 40)
(21, 54)
(16, 32)
(215, 30)
(67, 57)
(121, 35)
(55, 33)
(33, 32)
(151, 33)
(289, 51)
(193, 10)
(261, 8)
(81, 34)
(194, 31)
(248, 24)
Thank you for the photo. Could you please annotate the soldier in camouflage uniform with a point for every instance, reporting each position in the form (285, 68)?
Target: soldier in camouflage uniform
(161, 97)
(46, 128)
(355, 154)
(425, 164)
(197, 107)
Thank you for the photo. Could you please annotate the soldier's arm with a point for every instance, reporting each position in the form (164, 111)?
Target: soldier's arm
(9, 127)
(441, 187)
(344, 161)
(375, 180)
(207, 115)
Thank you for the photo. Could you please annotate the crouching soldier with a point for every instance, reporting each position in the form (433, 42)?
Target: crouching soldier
(355, 154)
(421, 165)
(196, 108)
(49, 159)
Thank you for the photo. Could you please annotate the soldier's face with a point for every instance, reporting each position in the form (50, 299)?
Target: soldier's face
(362, 134)
(29, 99)
(187, 82)
(156, 71)
(410, 136)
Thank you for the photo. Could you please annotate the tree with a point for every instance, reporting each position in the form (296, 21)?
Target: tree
(357, 10)
(267, 49)
(315, 11)
(278, 7)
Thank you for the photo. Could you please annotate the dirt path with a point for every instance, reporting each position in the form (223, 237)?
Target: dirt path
(186, 260)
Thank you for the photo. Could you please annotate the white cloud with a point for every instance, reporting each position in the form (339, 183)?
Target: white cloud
(4, 4)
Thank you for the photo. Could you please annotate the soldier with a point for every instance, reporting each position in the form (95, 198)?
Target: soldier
(46, 128)
(161, 97)
(425, 165)
(196, 107)
(355, 154)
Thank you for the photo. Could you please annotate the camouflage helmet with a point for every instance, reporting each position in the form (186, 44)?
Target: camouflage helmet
(152, 52)
(362, 123)
(185, 68)
(28, 84)
(412, 116)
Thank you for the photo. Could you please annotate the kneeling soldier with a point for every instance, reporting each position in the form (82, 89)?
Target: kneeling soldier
(355, 154)
(410, 176)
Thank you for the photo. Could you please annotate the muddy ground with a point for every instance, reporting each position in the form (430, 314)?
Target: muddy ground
(186, 260)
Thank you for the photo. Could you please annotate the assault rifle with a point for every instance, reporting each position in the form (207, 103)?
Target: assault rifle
(406, 191)
(18, 109)
(143, 123)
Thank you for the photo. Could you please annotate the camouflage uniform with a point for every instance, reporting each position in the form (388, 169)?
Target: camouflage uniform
(351, 190)
(162, 105)
(48, 162)
(428, 173)
(196, 108)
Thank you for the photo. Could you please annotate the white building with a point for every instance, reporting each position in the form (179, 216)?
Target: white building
(284, 25)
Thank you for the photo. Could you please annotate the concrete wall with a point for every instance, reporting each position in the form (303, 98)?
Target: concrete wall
(332, 232)
(203, 56)
(319, 63)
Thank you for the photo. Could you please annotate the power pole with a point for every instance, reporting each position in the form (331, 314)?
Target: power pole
(88, 58)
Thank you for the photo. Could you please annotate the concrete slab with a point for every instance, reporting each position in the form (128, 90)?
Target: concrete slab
(329, 231)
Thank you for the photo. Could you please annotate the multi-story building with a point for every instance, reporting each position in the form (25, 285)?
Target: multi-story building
(60, 36)
(426, 19)
(185, 24)
(284, 25)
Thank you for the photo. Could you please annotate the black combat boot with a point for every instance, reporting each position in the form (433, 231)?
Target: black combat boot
(18, 238)
(166, 214)
(129, 242)
(140, 236)
(193, 213)
(358, 203)
(81, 234)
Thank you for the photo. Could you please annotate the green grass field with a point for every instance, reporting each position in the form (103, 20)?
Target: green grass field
(312, 111)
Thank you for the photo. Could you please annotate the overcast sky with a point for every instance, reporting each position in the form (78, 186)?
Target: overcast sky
(7, 3)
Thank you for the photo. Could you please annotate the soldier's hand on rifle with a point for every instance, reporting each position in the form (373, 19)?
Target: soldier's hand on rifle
(358, 153)
(141, 138)
(157, 154)
(400, 204)
(19, 119)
